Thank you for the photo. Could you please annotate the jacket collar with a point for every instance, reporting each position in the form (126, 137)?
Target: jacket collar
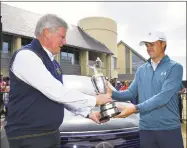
(164, 59)
(36, 43)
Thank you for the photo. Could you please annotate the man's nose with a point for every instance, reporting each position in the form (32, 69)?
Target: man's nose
(64, 41)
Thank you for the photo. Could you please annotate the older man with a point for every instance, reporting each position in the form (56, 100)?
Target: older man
(156, 84)
(37, 94)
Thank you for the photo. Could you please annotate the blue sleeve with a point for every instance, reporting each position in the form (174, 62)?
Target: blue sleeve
(169, 88)
(128, 94)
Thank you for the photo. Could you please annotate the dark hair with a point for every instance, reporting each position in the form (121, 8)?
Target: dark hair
(165, 45)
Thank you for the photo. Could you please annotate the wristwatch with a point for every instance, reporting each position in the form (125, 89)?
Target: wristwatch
(137, 109)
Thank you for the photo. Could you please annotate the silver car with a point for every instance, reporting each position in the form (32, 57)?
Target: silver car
(79, 132)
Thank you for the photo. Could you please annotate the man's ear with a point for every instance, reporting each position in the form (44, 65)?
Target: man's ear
(163, 44)
(46, 33)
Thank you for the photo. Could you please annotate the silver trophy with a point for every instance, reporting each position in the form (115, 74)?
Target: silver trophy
(107, 110)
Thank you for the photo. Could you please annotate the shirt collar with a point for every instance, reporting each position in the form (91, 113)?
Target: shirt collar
(51, 56)
(164, 59)
(152, 62)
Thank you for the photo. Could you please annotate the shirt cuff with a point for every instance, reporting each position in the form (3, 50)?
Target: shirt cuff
(91, 100)
(91, 103)
(139, 108)
(83, 111)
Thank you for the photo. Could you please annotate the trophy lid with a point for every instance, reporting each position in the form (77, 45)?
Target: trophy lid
(97, 64)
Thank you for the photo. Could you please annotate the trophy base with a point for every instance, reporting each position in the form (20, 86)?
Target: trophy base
(109, 116)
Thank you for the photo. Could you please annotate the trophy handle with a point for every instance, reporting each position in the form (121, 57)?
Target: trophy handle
(104, 82)
(95, 87)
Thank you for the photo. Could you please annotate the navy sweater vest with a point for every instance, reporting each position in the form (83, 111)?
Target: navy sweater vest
(30, 111)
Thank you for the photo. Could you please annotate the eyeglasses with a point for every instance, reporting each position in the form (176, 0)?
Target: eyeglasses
(62, 37)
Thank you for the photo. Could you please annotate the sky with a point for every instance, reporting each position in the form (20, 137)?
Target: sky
(134, 20)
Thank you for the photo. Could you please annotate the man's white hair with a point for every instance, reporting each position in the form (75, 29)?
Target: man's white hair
(49, 21)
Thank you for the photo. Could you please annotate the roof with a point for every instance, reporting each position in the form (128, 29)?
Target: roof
(21, 22)
(78, 38)
(18, 21)
(121, 42)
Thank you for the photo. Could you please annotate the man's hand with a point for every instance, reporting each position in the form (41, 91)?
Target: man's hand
(95, 116)
(103, 99)
(126, 111)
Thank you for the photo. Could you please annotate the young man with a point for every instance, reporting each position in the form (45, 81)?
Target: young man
(156, 83)
(37, 94)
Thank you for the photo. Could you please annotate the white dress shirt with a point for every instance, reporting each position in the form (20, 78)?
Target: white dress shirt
(154, 65)
(29, 68)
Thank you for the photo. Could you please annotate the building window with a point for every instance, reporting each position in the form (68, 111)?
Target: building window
(5, 47)
(7, 43)
(114, 63)
(136, 62)
(76, 58)
(25, 41)
(70, 56)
